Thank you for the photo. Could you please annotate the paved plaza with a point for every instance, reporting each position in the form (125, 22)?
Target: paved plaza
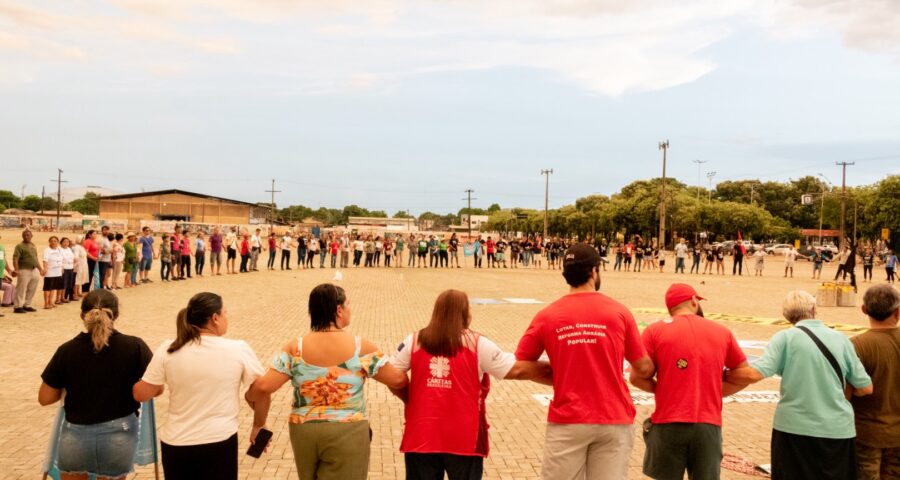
(268, 308)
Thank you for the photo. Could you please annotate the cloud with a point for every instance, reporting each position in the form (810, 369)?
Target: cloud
(39, 48)
(867, 25)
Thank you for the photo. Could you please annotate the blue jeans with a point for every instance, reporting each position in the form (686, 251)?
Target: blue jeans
(104, 449)
(679, 265)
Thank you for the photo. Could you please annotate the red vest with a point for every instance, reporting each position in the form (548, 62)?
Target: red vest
(445, 410)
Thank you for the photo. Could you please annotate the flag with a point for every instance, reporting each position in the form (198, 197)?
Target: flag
(147, 450)
(468, 250)
(741, 244)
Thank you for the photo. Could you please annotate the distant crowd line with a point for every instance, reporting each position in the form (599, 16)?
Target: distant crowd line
(70, 268)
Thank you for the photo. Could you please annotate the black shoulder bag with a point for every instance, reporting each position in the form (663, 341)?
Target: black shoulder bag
(827, 354)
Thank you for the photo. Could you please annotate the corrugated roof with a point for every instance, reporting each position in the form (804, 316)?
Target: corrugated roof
(175, 191)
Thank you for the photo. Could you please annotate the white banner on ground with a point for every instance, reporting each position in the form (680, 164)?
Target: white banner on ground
(644, 398)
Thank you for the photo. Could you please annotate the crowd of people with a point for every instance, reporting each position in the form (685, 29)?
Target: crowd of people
(72, 267)
(442, 372)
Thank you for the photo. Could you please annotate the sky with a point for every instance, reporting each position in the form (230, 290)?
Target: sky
(403, 105)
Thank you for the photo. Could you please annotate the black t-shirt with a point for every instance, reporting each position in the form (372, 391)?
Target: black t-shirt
(526, 245)
(639, 252)
(501, 246)
(98, 384)
(514, 246)
(301, 243)
(453, 244)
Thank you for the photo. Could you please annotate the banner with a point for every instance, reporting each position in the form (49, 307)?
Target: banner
(468, 250)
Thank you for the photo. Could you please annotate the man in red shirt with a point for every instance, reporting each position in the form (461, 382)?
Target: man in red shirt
(690, 354)
(587, 337)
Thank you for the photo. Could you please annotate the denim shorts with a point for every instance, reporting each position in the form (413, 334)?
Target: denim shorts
(146, 263)
(103, 449)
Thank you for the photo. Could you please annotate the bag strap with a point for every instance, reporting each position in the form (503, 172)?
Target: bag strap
(827, 354)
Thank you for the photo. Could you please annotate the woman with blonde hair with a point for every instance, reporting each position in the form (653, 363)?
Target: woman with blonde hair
(328, 368)
(446, 424)
(97, 369)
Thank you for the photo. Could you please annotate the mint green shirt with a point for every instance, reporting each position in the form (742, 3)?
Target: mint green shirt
(812, 399)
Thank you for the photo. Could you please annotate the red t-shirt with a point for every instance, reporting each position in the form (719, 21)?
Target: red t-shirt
(490, 246)
(587, 337)
(334, 247)
(91, 247)
(690, 353)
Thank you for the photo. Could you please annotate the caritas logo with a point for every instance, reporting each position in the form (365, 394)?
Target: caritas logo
(440, 368)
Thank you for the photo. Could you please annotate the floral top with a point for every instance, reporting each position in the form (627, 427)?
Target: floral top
(329, 394)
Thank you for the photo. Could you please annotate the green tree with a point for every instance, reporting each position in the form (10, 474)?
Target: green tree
(87, 205)
(9, 200)
(402, 214)
(495, 207)
(33, 203)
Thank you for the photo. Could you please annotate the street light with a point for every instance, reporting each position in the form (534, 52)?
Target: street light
(710, 176)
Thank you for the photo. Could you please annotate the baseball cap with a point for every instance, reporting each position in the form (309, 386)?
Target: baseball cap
(680, 292)
(581, 254)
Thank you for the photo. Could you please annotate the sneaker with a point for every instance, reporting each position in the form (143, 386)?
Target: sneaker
(19, 310)
(29, 309)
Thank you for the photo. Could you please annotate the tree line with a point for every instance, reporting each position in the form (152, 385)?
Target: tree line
(760, 210)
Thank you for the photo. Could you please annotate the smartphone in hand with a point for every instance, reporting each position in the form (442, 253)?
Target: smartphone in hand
(259, 446)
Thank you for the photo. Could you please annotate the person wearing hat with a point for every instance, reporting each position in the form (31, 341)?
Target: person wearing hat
(689, 352)
(587, 336)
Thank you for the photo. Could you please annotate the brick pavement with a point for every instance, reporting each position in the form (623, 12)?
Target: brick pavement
(268, 308)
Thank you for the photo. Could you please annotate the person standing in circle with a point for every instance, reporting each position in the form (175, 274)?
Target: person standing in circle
(97, 369)
(587, 335)
(53, 274)
(204, 372)
(328, 368)
(446, 428)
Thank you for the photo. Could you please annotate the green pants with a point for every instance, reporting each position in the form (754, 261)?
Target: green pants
(331, 450)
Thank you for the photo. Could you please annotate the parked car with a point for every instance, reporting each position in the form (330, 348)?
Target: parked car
(778, 249)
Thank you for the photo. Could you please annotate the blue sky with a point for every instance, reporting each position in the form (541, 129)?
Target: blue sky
(394, 104)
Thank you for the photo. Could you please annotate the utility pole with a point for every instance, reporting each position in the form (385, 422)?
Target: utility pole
(59, 181)
(843, 196)
(664, 146)
(710, 176)
(468, 193)
(43, 194)
(546, 174)
(273, 192)
(699, 162)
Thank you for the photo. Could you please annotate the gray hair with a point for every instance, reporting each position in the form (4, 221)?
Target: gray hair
(798, 305)
(881, 301)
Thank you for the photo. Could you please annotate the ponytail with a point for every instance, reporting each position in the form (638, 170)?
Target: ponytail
(195, 316)
(99, 309)
(99, 323)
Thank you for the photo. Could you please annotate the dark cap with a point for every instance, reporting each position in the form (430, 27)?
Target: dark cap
(581, 254)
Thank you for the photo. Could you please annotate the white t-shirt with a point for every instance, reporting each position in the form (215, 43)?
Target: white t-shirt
(790, 256)
(204, 381)
(68, 259)
(286, 242)
(54, 259)
(491, 358)
(681, 250)
(358, 245)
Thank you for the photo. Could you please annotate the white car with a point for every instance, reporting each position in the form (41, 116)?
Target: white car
(778, 249)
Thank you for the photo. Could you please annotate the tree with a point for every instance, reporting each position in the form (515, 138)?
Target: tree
(402, 214)
(33, 203)
(87, 205)
(495, 207)
(9, 200)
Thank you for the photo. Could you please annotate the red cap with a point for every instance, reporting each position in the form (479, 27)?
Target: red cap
(679, 293)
